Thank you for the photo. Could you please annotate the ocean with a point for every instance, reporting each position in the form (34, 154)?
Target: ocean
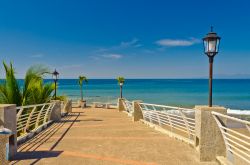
(231, 93)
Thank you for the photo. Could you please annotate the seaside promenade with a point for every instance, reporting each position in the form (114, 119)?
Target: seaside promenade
(94, 136)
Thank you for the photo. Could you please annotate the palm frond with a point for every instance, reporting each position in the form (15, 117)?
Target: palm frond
(120, 79)
(10, 90)
(82, 79)
(34, 90)
(33, 74)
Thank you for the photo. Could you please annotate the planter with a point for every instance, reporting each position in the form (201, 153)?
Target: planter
(82, 104)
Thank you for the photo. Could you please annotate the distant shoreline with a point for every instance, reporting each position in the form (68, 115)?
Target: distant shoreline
(145, 79)
(230, 93)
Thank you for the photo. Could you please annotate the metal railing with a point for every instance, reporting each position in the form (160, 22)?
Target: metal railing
(236, 135)
(128, 106)
(174, 119)
(62, 104)
(31, 117)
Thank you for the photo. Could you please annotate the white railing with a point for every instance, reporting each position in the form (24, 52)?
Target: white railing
(31, 117)
(179, 121)
(236, 135)
(128, 106)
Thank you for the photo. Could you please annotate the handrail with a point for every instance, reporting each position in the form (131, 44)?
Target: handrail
(237, 142)
(128, 106)
(32, 116)
(231, 118)
(29, 106)
(179, 120)
(166, 106)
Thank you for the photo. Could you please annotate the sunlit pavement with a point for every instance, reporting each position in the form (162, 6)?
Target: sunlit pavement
(103, 137)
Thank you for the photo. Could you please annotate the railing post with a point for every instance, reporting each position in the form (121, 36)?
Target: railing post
(46, 115)
(125, 106)
(144, 116)
(56, 111)
(248, 128)
(137, 110)
(158, 116)
(28, 120)
(169, 119)
(39, 115)
(8, 120)
(186, 123)
(208, 139)
(121, 104)
(149, 114)
(229, 154)
(19, 113)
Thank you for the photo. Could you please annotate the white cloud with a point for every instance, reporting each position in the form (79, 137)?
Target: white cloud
(37, 56)
(132, 43)
(177, 42)
(112, 56)
(70, 66)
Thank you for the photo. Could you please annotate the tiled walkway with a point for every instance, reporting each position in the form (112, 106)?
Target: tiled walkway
(103, 137)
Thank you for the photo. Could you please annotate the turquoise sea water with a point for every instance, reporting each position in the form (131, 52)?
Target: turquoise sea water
(233, 94)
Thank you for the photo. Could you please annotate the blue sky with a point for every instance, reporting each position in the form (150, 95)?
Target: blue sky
(132, 38)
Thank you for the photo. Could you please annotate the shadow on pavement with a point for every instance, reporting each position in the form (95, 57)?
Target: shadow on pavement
(37, 154)
(27, 150)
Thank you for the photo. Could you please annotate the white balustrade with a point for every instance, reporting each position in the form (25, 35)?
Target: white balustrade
(178, 120)
(31, 117)
(236, 135)
(128, 106)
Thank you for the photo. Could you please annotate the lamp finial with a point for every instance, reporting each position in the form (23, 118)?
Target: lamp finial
(212, 28)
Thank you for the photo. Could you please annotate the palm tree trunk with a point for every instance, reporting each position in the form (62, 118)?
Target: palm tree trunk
(81, 94)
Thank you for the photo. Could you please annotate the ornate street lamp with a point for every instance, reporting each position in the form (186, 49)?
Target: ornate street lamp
(121, 81)
(55, 76)
(211, 46)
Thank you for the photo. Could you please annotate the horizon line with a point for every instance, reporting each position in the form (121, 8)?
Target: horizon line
(144, 78)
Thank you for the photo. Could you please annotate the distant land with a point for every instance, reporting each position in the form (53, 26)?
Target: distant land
(232, 76)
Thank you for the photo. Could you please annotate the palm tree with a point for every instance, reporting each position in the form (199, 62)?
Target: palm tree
(80, 82)
(34, 91)
(121, 81)
(10, 91)
(41, 92)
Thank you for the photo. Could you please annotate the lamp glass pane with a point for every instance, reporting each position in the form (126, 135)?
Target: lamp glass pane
(55, 77)
(205, 46)
(217, 45)
(212, 46)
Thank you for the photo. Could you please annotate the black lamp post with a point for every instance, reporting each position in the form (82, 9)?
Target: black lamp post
(211, 46)
(55, 75)
(121, 84)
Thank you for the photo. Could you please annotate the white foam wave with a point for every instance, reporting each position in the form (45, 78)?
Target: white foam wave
(238, 112)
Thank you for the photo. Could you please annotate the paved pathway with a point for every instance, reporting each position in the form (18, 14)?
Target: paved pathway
(104, 137)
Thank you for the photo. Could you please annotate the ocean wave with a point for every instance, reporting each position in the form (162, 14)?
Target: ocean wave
(238, 112)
